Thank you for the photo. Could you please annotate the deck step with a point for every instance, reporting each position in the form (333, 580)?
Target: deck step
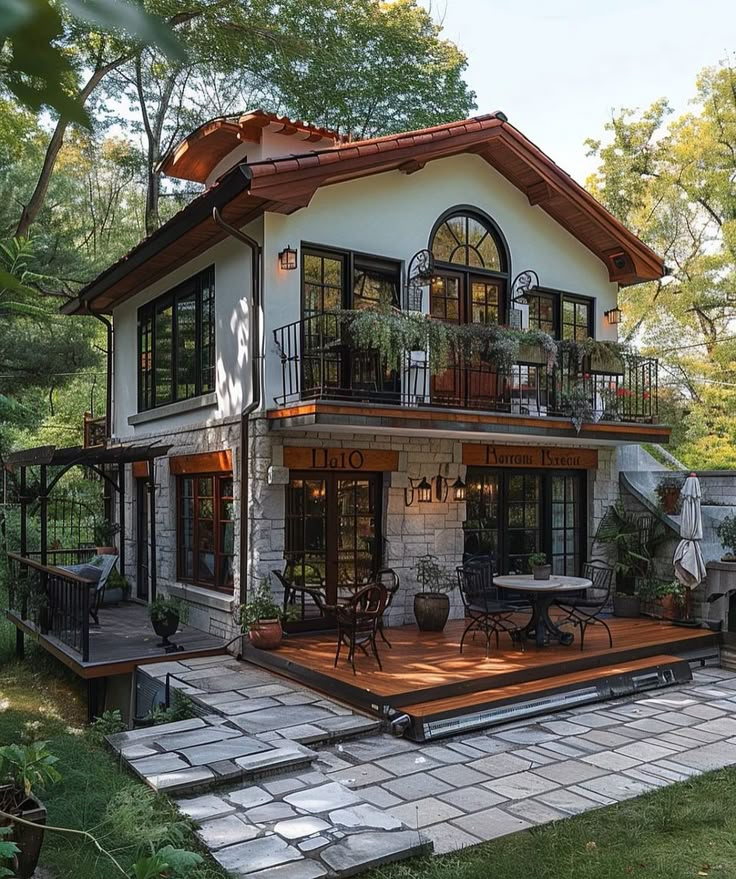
(427, 720)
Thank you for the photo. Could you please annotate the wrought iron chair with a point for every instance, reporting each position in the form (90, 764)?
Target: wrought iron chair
(389, 579)
(358, 622)
(487, 612)
(585, 609)
(297, 588)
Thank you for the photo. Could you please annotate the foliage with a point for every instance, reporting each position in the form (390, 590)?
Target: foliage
(164, 606)
(133, 812)
(432, 576)
(8, 851)
(634, 539)
(167, 862)
(28, 767)
(673, 181)
(577, 402)
(726, 532)
(656, 590)
(666, 488)
(537, 560)
(108, 724)
(261, 606)
(105, 531)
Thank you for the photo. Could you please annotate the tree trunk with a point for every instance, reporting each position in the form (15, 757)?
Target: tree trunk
(35, 203)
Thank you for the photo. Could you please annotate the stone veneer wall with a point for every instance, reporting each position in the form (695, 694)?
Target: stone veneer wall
(409, 531)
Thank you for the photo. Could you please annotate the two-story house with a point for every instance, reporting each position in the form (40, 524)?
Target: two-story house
(290, 441)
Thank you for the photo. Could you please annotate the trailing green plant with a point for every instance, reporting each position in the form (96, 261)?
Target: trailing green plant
(8, 851)
(577, 402)
(105, 531)
(27, 768)
(432, 576)
(726, 532)
(165, 606)
(260, 606)
(107, 724)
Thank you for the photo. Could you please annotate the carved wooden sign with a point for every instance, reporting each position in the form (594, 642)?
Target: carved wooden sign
(306, 458)
(530, 456)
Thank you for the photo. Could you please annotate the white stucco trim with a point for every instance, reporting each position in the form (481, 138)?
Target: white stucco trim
(202, 402)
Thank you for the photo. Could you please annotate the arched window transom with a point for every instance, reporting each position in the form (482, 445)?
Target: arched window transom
(464, 240)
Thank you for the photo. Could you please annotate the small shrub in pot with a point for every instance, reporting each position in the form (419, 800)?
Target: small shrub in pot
(166, 613)
(261, 618)
(104, 532)
(432, 602)
(539, 566)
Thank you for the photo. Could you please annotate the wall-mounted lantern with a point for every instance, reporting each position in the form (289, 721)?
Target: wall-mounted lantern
(287, 259)
(613, 315)
(419, 490)
(458, 489)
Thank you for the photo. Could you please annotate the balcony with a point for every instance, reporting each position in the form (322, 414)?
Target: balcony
(611, 394)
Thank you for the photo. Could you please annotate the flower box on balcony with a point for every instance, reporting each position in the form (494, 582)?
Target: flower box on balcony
(606, 361)
(532, 354)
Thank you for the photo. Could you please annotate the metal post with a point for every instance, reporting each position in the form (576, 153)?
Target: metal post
(44, 515)
(152, 526)
(121, 513)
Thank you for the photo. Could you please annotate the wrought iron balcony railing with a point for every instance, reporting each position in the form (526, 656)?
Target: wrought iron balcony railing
(318, 363)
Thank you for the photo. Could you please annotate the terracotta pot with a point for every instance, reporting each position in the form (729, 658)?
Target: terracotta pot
(542, 572)
(106, 550)
(28, 839)
(266, 634)
(669, 499)
(431, 610)
(626, 606)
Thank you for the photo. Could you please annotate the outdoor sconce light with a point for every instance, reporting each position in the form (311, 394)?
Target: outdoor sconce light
(420, 490)
(287, 259)
(613, 315)
(458, 488)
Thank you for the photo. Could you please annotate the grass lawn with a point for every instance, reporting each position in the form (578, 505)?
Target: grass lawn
(40, 699)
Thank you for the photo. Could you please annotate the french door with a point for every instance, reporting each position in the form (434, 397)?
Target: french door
(514, 513)
(461, 298)
(333, 532)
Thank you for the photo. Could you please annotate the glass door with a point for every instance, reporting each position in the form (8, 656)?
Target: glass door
(332, 532)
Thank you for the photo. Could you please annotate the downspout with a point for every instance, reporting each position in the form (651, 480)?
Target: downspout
(256, 361)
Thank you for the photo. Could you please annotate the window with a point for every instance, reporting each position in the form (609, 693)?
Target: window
(332, 281)
(375, 283)
(176, 343)
(542, 312)
(466, 240)
(577, 318)
(324, 280)
(206, 530)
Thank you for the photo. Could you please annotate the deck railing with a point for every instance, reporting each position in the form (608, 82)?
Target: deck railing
(56, 602)
(317, 363)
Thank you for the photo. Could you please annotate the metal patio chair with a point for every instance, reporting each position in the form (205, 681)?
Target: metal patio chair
(358, 622)
(487, 611)
(389, 579)
(298, 588)
(586, 609)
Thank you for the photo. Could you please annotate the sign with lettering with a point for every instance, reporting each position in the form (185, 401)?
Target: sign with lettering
(530, 456)
(306, 458)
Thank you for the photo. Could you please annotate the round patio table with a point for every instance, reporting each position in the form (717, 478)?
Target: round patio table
(542, 593)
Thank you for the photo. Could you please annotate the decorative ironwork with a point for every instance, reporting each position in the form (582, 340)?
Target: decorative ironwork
(418, 275)
(522, 284)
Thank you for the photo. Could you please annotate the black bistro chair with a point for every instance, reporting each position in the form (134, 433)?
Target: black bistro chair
(389, 579)
(298, 587)
(358, 622)
(486, 610)
(586, 608)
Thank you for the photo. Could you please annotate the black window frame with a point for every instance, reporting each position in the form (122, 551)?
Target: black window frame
(560, 297)
(202, 286)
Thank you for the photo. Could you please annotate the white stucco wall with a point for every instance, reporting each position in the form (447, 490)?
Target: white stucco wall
(392, 215)
(232, 263)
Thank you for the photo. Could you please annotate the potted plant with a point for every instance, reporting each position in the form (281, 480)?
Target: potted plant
(261, 618)
(726, 532)
(668, 493)
(432, 602)
(23, 770)
(539, 566)
(166, 613)
(104, 531)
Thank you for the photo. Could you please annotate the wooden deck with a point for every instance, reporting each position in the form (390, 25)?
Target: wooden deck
(424, 673)
(123, 640)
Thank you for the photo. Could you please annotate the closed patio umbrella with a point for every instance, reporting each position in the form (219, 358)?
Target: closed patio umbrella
(688, 559)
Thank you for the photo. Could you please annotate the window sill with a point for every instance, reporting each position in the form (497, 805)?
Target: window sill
(201, 596)
(192, 405)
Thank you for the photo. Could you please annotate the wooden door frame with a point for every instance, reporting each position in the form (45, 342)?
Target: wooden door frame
(142, 509)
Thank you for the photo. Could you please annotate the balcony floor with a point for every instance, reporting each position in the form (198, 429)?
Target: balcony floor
(123, 640)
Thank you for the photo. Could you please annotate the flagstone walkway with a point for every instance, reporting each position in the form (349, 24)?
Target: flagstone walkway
(367, 800)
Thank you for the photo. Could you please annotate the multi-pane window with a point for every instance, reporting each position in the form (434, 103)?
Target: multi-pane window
(576, 318)
(466, 241)
(566, 525)
(176, 343)
(375, 283)
(206, 530)
(324, 279)
(542, 313)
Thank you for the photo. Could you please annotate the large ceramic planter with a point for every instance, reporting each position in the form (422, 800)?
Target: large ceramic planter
(266, 634)
(431, 610)
(28, 839)
(166, 627)
(542, 572)
(626, 606)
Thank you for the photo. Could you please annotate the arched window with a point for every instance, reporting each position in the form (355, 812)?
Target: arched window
(466, 239)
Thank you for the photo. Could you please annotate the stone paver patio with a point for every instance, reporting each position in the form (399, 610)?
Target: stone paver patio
(368, 800)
